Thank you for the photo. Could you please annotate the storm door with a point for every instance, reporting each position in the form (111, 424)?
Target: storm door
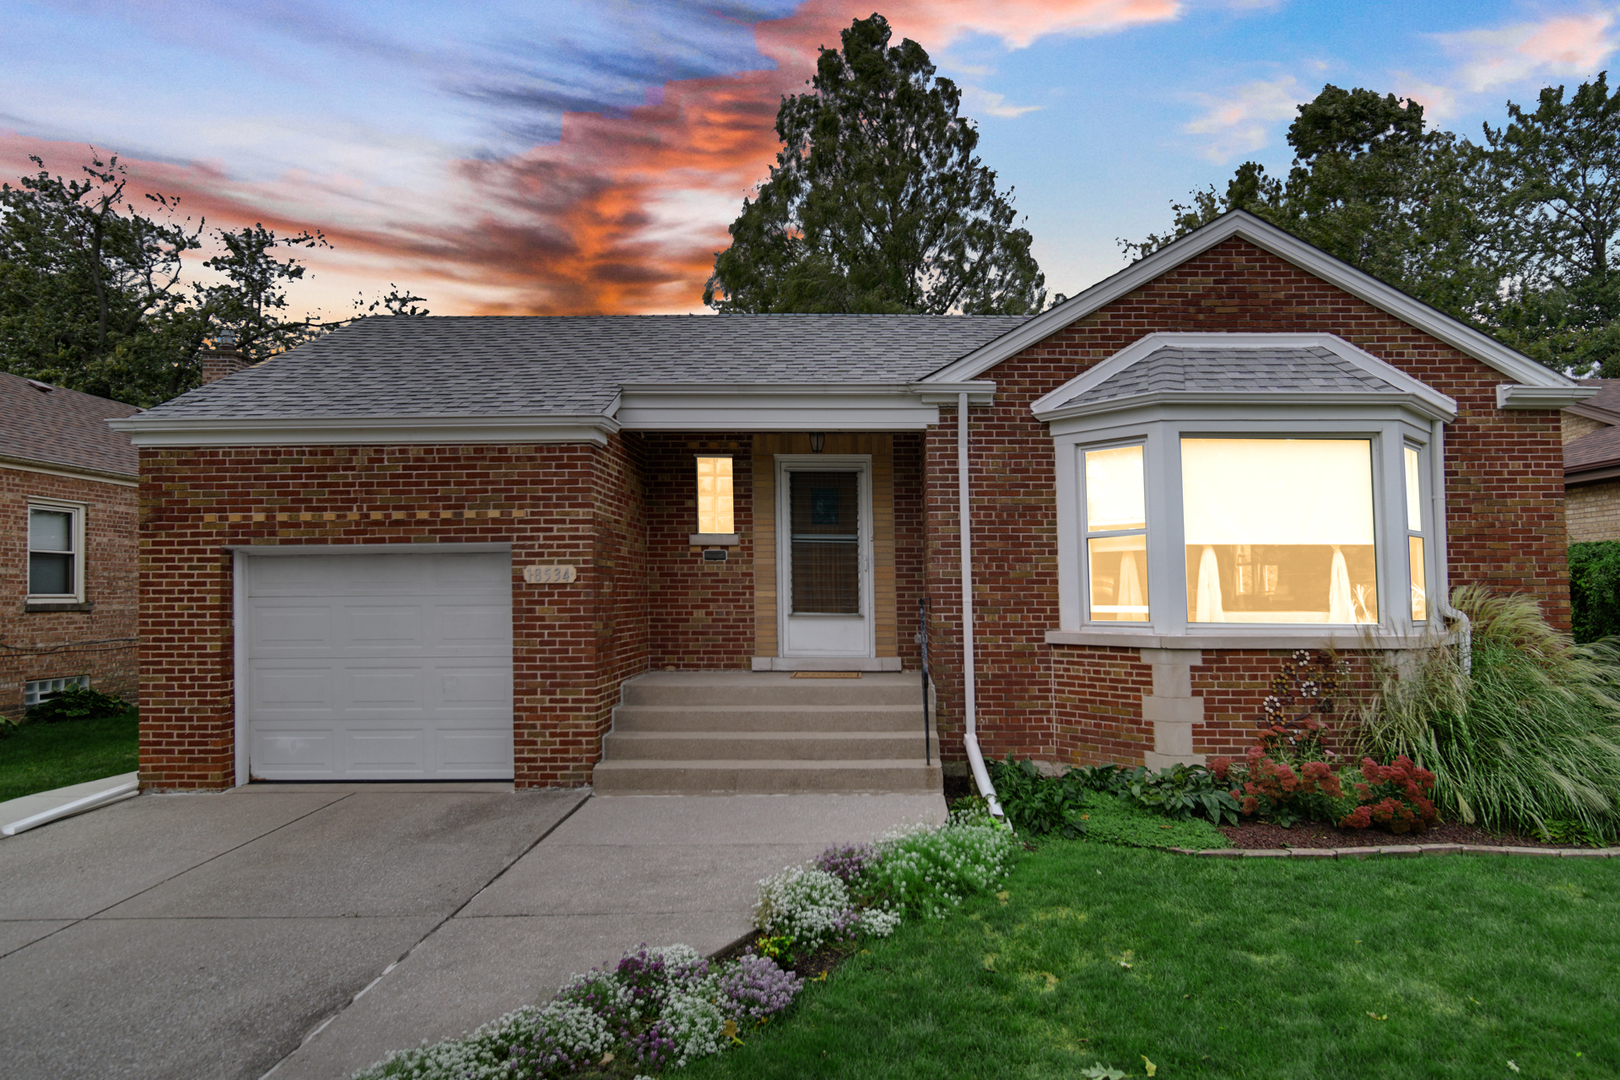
(825, 555)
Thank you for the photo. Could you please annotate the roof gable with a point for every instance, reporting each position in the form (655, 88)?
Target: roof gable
(1514, 365)
(1252, 368)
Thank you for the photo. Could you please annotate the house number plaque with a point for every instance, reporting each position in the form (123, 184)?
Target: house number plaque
(550, 575)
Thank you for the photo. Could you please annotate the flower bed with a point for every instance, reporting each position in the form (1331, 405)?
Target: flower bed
(661, 1008)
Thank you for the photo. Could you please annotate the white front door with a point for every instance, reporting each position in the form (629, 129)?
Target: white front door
(824, 555)
(378, 666)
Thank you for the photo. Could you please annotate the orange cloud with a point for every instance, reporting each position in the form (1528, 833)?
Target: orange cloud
(623, 214)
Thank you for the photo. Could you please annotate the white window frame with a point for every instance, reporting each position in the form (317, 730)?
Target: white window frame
(1159, 421)
(1166, 557)
(80, 560)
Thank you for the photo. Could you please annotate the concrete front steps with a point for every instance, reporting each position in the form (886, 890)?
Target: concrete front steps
(767, 733)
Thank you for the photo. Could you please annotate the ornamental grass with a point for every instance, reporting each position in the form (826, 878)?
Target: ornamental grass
(1522, 731)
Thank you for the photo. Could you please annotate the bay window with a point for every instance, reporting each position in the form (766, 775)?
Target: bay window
(1275, 488)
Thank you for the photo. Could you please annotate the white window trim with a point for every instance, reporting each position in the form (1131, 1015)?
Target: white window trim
(80, 556)
(1160, 428)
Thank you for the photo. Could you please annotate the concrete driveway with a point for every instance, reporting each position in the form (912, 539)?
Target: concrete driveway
(308, 930)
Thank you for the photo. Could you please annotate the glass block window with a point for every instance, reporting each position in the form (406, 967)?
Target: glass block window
(714, 496)
(34, 692)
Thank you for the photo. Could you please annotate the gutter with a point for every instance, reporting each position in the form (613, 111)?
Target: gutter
(1437, 512)
(970, 737)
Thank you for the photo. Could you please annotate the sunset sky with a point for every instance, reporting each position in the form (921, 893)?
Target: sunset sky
(578, 156)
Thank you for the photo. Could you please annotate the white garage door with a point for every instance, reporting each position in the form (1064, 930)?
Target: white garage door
(379, 667)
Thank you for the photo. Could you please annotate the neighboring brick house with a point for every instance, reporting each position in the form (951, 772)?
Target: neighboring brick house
(67, 564)
(439, 547)
(1591, 431)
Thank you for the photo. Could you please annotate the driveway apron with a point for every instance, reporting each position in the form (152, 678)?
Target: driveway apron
(305, 931)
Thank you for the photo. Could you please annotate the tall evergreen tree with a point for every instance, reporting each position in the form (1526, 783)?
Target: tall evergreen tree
(877, 202)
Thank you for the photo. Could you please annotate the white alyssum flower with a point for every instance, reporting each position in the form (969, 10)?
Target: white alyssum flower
(805, 904)
(696, 1024)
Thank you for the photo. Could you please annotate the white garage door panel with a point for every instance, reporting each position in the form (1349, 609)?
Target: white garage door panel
(379, 666)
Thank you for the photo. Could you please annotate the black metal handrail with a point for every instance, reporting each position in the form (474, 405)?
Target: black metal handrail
(922, 641)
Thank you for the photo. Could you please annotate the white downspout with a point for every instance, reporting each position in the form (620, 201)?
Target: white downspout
(1441, 591)
(981, 776)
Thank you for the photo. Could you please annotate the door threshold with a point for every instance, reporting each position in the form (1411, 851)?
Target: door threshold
(827, 663)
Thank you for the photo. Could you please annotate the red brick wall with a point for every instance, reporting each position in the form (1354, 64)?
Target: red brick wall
(701, 614)
(554, 504)
(910, 544)
(99, 642)
(1505, 510)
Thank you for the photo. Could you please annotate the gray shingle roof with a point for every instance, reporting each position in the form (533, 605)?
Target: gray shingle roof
(63, 427)
(538, 365)
(1249, 370)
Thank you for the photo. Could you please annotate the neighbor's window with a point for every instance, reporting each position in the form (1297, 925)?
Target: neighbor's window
(1116, 534)
(1414, 535)
(714, 496)
(55, 558)
(1279, 530)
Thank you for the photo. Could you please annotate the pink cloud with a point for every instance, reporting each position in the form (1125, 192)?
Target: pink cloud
(623, 213)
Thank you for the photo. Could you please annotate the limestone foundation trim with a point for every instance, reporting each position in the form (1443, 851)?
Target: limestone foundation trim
(1171, 707)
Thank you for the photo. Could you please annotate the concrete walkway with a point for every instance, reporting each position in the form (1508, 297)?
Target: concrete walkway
(18, 811)
(310, 929)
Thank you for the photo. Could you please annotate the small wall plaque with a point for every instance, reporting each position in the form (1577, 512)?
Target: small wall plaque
(550, 575)
(715, 555)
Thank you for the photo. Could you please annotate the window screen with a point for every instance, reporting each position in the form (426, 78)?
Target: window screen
(824, 524)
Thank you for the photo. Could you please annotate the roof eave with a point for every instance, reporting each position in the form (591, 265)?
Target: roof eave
(367, 431)
(1517, 396)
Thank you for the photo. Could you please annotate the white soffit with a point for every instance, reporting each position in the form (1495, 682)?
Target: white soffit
(367, 431)
(1053, 406)
(1291, 249)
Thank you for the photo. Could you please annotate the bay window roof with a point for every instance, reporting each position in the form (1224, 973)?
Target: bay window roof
(1241, 369)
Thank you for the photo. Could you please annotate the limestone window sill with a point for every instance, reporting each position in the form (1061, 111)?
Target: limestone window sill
(714, 539)
(33, 607)
(1346, 642)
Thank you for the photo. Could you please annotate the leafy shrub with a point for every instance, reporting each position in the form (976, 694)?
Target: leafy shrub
(1180, 792)
(1037, 804)
(1594, 589)
(1395, 796)
(1527, 736)
(77, 703)
(1283, 792)
(8, 727)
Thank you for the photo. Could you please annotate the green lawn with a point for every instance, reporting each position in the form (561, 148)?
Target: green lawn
(1431, 967)
(40, 756)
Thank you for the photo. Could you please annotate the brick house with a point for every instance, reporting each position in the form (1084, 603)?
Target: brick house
(67, 553)
(456, 547)
(1591, 431)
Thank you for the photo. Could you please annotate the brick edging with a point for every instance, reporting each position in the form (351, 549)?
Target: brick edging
(1396, 851)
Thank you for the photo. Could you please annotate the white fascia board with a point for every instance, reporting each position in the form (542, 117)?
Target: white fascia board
(1291, 249)
(1053, 406)
(1226, 404)
(773, 407)
(979, 392)
(1512, 396)
(367, 431)
(53, 469)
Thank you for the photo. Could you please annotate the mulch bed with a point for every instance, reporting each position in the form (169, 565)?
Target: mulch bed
(1255, 835)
